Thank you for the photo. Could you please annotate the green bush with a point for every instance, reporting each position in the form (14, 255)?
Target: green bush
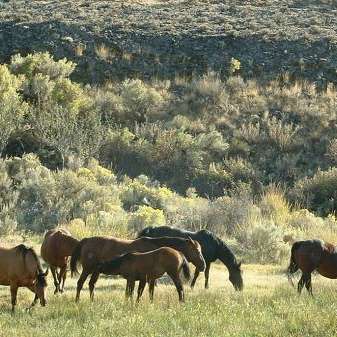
(318, 193)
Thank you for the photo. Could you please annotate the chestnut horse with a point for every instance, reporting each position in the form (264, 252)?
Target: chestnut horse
(312, 255)
(20, 267)
(91, 251)
(147, 267)
(57, 246)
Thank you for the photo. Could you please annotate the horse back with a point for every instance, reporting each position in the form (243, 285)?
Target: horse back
(158, 261)
(308, 254)
(57, 245)
(99, 248)
(18, 265)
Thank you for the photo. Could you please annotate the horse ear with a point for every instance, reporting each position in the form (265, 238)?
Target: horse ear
(239, 264)
(46, 272)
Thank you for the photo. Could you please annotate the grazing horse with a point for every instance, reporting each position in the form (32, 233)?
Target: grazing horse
(20, 267)
(310, 255)
(147, 267)
(57, 246)
(212, 248)
(91, 251)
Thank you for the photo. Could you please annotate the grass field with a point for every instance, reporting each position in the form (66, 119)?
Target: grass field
(268, 306)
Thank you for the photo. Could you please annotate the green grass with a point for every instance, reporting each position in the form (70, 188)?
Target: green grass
(268, 306)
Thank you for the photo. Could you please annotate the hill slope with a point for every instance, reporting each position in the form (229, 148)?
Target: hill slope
(110, 39)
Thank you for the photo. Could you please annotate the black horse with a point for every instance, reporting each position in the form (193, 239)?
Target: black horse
(212, 247)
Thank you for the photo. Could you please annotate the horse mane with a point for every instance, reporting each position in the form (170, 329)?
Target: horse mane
(225, 254)
(164, 231)
(166, 240)
(24, 250)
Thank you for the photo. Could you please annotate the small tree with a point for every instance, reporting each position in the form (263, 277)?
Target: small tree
(12, 109)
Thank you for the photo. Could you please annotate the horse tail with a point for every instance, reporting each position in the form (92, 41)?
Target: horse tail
(75, 257)
(186, 269)
(293, 266)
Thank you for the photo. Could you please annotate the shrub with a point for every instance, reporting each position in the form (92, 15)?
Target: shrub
(41, 63)
(145, 216)
(318, 193)
(262, 242)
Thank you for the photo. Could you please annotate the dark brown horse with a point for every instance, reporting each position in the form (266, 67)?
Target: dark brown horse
(92, 251)
(147, 267)
(57, 246)
(312, 255)
(20, 267)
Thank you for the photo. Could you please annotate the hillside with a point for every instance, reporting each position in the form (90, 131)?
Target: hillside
(118, 39)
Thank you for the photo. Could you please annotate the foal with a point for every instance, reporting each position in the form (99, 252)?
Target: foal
(147, 267)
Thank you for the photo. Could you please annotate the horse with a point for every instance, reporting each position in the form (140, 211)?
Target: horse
(91, 251)
(212, 248)
(57, 246)
(20, 267)
(310, 255)
(147, 267)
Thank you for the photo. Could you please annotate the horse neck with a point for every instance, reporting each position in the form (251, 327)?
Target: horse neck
(37, 266)
(226, 256)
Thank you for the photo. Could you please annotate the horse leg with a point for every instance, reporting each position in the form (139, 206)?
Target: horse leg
(55, 277)
(32, 289)
(80, 283)
(301, 284)
(127, 289)
(196, 274)
(177, 282)
(62, 277)
(130, 286)
(208, 266)
(14, 292)
(308, 284)
(151, 289)
(92, 282)
(141, 286)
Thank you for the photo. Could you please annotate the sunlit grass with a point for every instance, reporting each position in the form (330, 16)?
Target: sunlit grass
(268, 306)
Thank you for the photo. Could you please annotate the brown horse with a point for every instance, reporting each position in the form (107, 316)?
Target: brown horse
(94, 250)
(147, 267)
(312, 255)
(20, 267)
(57, 246)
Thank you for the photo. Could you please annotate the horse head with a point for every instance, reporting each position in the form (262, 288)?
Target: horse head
(235, 276)
(195, 254)
(40, 286)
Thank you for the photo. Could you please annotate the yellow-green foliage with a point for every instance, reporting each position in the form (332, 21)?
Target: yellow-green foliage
(145, 216)
(41, 63)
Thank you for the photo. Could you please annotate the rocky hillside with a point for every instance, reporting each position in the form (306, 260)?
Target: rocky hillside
(118, 38)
